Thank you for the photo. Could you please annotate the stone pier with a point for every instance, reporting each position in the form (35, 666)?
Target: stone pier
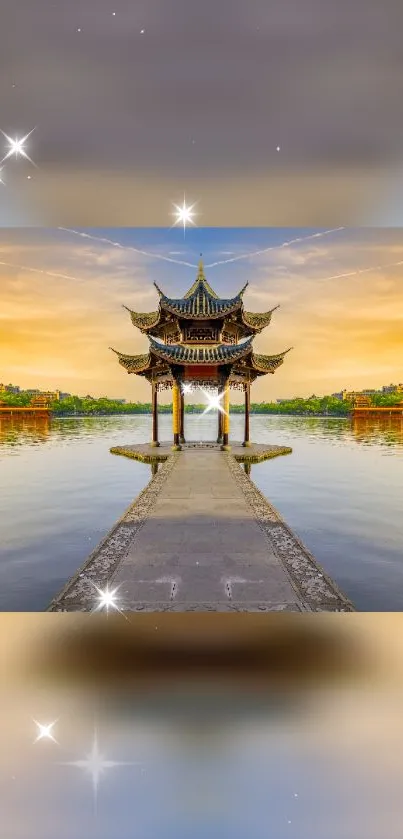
(202, 537)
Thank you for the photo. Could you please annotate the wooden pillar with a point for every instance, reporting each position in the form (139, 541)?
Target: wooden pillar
(246, 441)
(176, 415)
(225, 418)
(219, 430)
(154, 441)
(182, 417)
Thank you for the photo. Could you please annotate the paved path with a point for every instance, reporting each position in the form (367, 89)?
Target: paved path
(201, 537)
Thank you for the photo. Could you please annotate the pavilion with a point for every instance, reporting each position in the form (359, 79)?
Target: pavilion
(200, 340)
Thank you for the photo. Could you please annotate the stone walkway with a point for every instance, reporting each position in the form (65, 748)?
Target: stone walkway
(201, 537)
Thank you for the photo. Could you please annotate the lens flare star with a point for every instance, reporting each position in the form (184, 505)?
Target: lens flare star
(16, 146)
(213, 401)
(184, 215)
(187, 389)
(45, 731)
(108, 600)
(95, 765)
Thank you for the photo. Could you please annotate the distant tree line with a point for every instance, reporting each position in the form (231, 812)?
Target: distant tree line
(313, 406)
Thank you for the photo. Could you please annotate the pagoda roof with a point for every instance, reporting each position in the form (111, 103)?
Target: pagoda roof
(189, 354)
(201, 304)
(201, 301)
(200, 277)
(184, 354)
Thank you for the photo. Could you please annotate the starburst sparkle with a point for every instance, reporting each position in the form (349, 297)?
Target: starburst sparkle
(95, 765)
(214, 402)
(187, 389)
(17, 146)
(45, 731)
(184, 215)
(107, 600)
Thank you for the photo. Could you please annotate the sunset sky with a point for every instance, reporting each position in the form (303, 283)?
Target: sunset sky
(62, 294)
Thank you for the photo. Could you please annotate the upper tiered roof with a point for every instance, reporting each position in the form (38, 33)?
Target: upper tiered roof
(201, 303)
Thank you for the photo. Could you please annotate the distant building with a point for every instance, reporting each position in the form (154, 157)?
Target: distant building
(393, 388)
(351, 395)
(45, 395)
(281, 401)
(9, 389)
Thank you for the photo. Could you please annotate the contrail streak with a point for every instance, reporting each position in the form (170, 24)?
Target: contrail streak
(127, 247)
(362, 271)
(211, 264)
(275, 247)
(41, 271)
(81, 279)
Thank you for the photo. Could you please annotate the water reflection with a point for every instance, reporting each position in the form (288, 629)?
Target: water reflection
(18, 430)
(383, 430)
(341, 491)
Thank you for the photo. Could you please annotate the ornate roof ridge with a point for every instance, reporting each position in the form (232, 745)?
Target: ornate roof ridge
(200, 279)
(191, 354)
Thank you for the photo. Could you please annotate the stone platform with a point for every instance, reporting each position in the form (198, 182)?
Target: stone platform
(255, 453)
(202, 537)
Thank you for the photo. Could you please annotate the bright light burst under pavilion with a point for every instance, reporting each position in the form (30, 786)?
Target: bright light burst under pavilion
(187, 388)
(214, 402)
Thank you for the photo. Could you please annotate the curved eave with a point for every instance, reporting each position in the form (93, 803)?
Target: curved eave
(134, 363)
(257, 320)
(144, 320)
(189, 354)
(267, 363)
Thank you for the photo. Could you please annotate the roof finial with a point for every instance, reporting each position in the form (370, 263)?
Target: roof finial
(201, 268)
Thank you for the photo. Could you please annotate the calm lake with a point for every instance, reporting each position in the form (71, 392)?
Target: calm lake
(341, 490)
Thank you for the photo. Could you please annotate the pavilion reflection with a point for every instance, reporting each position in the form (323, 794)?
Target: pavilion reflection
(15, 429)
(386, 429)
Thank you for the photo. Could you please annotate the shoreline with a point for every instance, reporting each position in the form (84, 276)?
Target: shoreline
(198, 413)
